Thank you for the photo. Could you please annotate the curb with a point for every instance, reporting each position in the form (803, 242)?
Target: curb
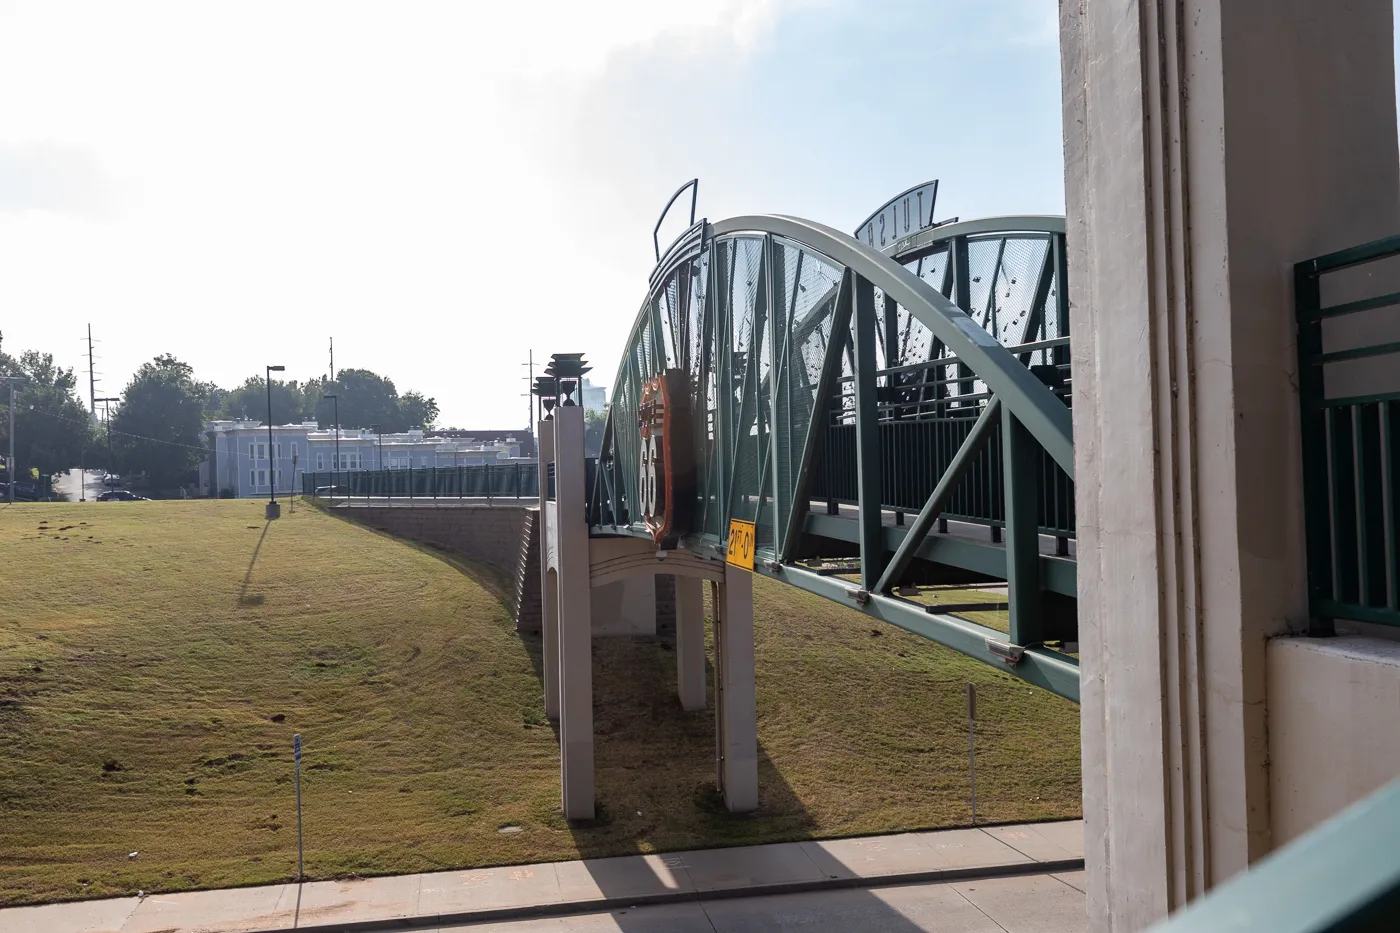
(601, 905)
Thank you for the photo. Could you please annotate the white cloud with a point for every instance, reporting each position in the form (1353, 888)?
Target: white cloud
(292, 171)
(39, 177)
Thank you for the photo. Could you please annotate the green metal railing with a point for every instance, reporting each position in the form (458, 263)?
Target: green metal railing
(510, 480)
(1351, 439)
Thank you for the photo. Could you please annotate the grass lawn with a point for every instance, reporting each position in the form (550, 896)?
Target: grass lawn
(156, 658)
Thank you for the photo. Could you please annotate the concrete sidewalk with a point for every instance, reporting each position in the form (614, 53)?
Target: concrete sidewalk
(556, 888)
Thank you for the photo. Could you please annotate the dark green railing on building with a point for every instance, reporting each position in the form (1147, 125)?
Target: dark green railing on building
(518, 480)
(1351, 442)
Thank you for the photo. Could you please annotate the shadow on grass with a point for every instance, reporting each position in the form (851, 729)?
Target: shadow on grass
(657, 795)
(255, 599)
(655, 777)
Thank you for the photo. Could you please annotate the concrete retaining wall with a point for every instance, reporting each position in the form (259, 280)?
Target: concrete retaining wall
(507, 538)
(490, 534)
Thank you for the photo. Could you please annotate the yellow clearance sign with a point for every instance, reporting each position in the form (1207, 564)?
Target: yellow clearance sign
(740, 550)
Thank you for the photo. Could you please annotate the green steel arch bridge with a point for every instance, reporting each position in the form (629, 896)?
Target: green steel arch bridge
(895, 405)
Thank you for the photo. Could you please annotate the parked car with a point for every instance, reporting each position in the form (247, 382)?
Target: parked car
(331, 491)
(24, 492)
(111, 479)
(121, 495)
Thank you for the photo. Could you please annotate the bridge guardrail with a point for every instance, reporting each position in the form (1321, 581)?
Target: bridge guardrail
(517, 480)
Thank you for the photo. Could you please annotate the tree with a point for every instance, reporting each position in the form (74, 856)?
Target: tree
(593, 423)
(249, 400)
(418, 411)
(52, 428)
(158, 430)
(365, 398)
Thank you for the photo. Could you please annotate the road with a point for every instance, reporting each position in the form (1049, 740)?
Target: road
(1018, 904)
(68, 484)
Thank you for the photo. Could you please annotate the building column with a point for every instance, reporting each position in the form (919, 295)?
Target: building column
(549, 590)
(735, 706)
(690, 642)
(574, 611)
(1208, 147)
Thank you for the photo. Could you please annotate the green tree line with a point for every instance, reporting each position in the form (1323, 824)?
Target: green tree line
(157, 430)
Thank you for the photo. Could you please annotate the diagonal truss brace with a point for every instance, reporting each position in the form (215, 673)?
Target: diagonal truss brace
(977, 438)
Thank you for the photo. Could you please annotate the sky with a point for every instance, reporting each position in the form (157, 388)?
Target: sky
(444, 187)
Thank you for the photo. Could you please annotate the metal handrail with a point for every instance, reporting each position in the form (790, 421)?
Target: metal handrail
(1341, 877)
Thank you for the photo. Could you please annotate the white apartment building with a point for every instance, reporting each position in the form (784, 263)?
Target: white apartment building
(593, 398)
(240, 464)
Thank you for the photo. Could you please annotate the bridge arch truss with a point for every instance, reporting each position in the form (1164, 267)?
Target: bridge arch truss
(853, 402)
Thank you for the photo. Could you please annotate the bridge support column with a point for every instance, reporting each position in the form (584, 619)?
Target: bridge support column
(575, 616)
(1208, 147)
(735, 700)
(549, 591)
(690, 643)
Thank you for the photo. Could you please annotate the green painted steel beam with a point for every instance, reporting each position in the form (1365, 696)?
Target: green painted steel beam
(821, 415)
(868, 470)
(1020, 469)
(1342, 877)
(1045, 416)
(1056, 672)
(1057, 574)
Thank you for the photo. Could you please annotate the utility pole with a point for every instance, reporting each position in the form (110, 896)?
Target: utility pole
(13, 381)
(332, 359)
(530, 394)
(107, 416)
(92, 378)
(335, 400)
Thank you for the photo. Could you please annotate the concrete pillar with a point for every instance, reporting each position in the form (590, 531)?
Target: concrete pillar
(1208, 147)
(549, 586)
(735, 694)
(549, 661)
(690, 643)
(575, 617)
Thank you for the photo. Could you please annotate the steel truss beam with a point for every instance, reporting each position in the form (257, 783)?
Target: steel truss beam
(1056, 672)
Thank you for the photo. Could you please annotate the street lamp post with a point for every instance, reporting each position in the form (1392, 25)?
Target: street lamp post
(335, 399)
(378, 447)
(272, 509)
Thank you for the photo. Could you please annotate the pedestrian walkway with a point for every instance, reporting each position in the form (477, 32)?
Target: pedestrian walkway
(428, 901)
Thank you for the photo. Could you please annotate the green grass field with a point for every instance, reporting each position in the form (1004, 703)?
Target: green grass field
(156, 659)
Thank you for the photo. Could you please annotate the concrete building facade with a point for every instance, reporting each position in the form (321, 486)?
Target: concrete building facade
(1209, 147)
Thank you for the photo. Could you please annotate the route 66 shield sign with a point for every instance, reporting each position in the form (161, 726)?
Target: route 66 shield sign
(667, 465)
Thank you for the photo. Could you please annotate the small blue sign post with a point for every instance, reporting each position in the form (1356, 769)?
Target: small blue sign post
(296, 754)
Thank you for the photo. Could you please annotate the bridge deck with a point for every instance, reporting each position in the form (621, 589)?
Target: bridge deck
(966, 531)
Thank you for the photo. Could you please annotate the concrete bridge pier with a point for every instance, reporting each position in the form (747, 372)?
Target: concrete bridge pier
(690, 643)
(607, 586)
(735, 691)
(549, 591)
(568, 563)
